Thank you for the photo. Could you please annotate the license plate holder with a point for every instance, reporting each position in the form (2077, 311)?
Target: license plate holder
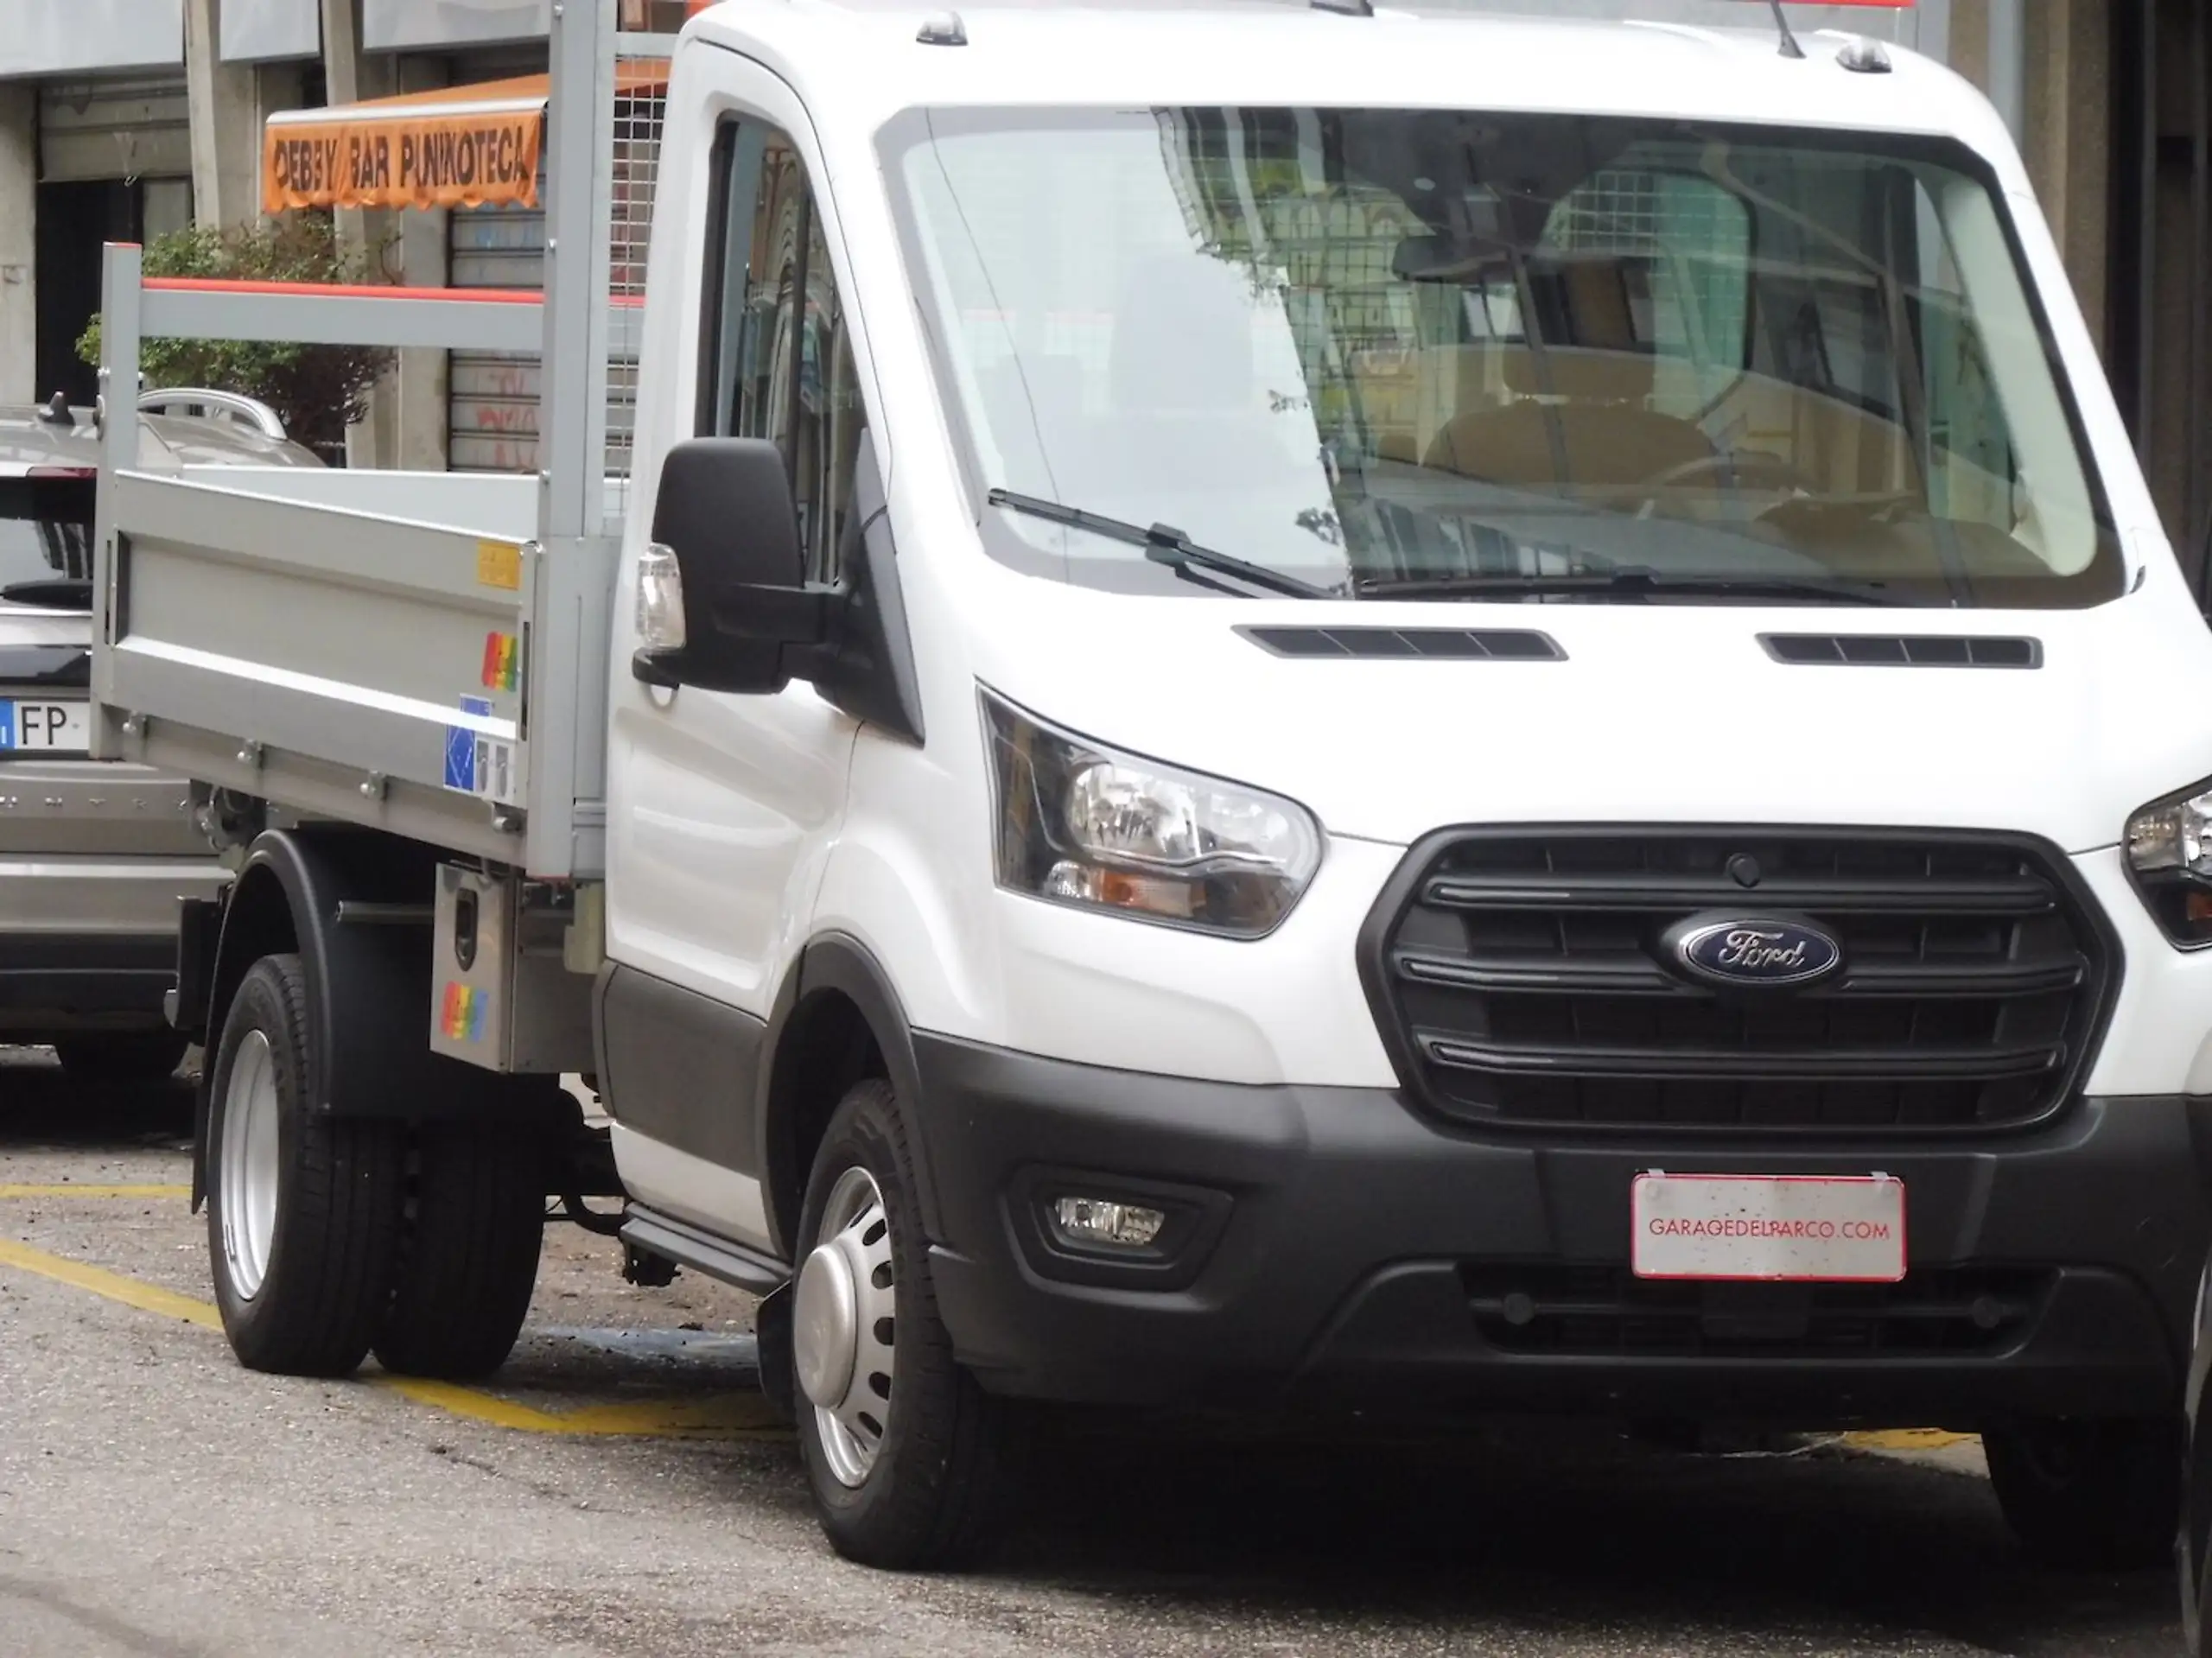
(1767, 1228)
(44, 725)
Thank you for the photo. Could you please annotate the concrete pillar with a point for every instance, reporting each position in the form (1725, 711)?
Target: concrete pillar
(18, 241)
(1968, 41)
(2066, 137)
(351, 75)
(2048, 68)
(226, 117)
(419, 399)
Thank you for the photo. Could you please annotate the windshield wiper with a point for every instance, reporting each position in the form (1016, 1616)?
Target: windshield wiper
(1164, 544)
(1634, 582)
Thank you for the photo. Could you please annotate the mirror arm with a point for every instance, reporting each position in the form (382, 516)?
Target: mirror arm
(661, 666)
(786, 616)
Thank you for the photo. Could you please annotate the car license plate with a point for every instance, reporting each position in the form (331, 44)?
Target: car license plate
(1847, 1228)
(36, 725)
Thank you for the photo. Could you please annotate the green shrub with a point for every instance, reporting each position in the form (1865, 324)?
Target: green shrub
(317, 391)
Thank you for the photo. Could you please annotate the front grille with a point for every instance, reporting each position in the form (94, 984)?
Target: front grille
(1605, 1312)
(1519, 978)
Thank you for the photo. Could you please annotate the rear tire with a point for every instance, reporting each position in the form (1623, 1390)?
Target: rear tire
(302, 1208)
(928, 1485)
(122, 1059)
(474, 1227)
(2092, 1495)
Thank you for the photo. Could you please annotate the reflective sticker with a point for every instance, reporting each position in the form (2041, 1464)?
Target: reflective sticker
(498, 564)
(461, 750)
(502, 662)
(461, 1017)
(479, 765)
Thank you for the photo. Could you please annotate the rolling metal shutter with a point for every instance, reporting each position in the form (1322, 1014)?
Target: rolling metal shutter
(492, 398)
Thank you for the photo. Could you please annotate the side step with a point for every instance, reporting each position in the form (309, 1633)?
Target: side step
(687, 1246)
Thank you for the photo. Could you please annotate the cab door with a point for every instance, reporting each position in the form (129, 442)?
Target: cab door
(722, 808)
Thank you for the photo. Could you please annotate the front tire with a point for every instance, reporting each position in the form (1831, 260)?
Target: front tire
(909, 1459)
(302, 1208)
(2093, 1495)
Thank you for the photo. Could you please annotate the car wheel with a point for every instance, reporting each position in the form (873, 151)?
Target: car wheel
(2092, 1494)
(909, 1459)
(303, 1209)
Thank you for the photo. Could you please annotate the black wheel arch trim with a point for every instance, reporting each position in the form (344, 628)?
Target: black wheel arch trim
(376, 1062)
(838, 962)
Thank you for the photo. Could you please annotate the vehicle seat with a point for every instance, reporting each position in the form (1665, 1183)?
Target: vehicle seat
(1594, 400)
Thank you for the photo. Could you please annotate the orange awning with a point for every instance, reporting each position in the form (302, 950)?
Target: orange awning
(457, 146)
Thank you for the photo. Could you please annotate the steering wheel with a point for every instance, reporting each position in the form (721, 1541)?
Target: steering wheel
(1739, 467)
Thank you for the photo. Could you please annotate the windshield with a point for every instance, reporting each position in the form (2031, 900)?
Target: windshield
(1449, 354)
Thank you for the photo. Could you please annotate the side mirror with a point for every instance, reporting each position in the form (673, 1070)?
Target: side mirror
(751, 622)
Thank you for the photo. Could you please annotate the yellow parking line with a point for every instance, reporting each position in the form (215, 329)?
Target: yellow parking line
(466, 1402)
(727, 1416)
(73, 1189)
(146, 1297)
(1906, 1438)
(722, 1417)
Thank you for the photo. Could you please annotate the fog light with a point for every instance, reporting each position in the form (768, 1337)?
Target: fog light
(1097, 1221)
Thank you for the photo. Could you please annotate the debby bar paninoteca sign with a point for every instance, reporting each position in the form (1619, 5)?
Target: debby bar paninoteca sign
(438, 160)
(459, 147)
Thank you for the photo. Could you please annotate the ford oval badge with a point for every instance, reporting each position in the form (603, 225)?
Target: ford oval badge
(1753, 952)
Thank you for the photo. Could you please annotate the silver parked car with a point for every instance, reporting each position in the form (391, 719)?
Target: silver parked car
(94, 855)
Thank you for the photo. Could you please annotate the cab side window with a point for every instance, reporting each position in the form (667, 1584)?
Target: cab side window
(777, 358)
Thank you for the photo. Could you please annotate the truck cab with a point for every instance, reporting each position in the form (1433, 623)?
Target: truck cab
(1303, 710)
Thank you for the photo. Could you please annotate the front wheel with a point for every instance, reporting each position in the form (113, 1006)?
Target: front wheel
(910, 1461)
(303, 1209)
(2090, 1494)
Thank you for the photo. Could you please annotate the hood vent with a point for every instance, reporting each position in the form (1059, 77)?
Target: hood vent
(1438, 644)
(1906, 651)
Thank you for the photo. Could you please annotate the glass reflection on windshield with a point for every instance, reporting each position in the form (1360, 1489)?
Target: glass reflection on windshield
(1369, 348)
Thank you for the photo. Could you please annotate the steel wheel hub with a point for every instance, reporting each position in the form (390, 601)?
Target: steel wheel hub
(841, 1325)
(249, 1166)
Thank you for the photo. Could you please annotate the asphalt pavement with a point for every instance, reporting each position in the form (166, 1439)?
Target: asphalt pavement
(621, 1489)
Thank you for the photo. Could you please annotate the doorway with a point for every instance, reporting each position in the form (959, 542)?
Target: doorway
(74, 221)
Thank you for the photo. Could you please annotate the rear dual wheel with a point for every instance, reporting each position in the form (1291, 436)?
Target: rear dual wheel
(332, 1236)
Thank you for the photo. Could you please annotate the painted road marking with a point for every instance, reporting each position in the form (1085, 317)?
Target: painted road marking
(74, 1189)
(725, 1416)
(146, 1297)
(1907, 1439)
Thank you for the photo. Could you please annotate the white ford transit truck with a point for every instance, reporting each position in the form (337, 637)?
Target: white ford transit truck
(1298, 708)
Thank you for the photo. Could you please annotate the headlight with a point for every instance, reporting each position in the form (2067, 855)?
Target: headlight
(2170, 856)
(1079, 823)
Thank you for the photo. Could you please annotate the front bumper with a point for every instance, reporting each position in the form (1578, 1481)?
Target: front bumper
(1332, 1247)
